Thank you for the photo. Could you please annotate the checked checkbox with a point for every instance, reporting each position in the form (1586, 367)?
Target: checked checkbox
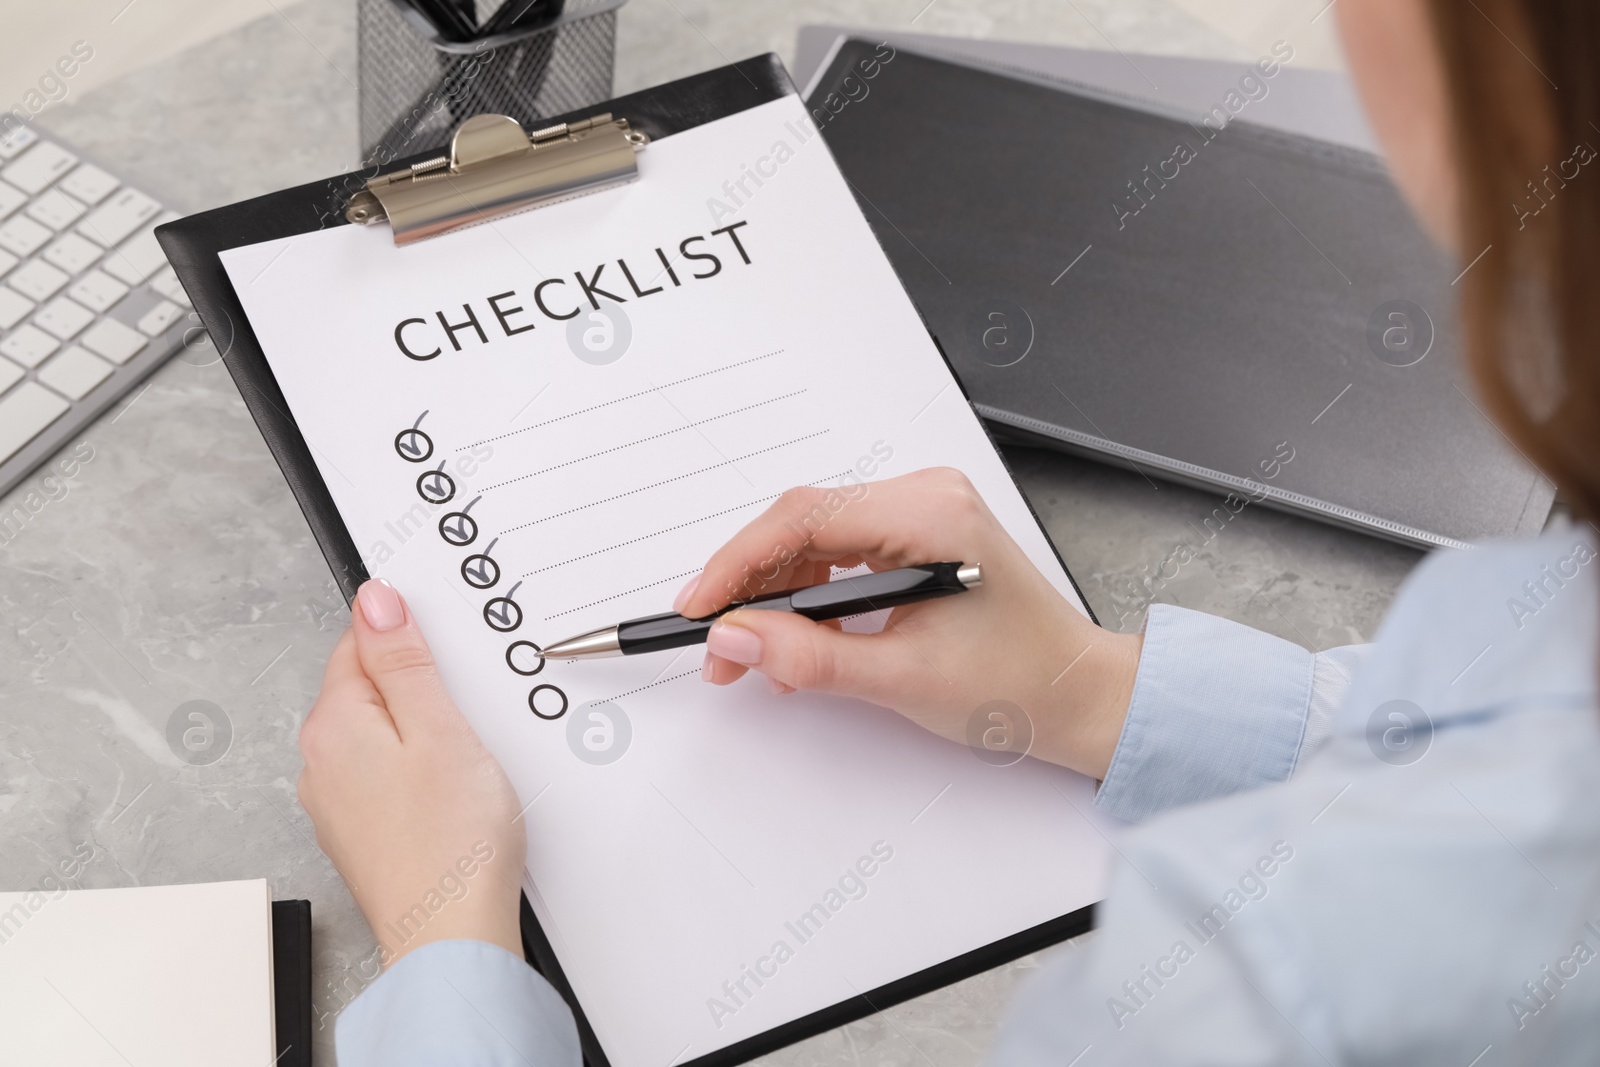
(502, 613)
(413, 445)
(458, 528)
(435, 486)
(481, 571)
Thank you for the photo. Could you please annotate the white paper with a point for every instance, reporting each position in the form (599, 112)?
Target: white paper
(177, 975)
(661, 877)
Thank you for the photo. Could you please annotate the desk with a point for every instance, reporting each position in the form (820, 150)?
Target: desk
(176, 567)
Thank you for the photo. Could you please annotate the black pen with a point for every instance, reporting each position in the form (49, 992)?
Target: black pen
(837, 599)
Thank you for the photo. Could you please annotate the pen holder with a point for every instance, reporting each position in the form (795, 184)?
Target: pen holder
(416, 87)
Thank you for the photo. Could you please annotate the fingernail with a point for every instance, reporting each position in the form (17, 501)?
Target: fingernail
(734, 642)
(775, 687)
(705, 670)
(380, 604)
(682, 599)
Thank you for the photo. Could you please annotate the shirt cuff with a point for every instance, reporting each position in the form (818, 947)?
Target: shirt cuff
(1217, 708)
(465, 1003)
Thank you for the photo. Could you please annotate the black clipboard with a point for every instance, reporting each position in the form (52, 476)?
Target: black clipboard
(193, 245)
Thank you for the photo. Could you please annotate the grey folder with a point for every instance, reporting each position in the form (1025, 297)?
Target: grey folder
(1199, 320)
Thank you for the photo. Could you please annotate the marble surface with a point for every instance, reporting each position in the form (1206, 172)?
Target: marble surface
(172, 566)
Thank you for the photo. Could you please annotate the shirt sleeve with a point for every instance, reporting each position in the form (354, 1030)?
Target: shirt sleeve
(1217, 708)
(465, 1003)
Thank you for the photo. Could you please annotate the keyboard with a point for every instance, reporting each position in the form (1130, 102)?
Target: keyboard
(88, 304)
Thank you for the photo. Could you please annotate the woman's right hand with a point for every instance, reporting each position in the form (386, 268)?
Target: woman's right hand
(1015, 638)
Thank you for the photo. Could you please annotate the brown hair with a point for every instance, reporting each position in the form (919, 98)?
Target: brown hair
(1524, 80)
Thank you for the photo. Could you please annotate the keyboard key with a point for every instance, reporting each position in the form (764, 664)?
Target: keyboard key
(160, 317)
(56, 209)
(37, 280)
(7, 261)
(137, 259)
(166, 283)
(98, 291)
(74, 372)
(28, 345)
(73, 253)
(24, 412)
(63, 317)
(38, 167)
(113, 340)
(10, 374)
(14, 307)
(89, 183)
(11, 198)
(20, 138)
(22, 236)
(118, 217)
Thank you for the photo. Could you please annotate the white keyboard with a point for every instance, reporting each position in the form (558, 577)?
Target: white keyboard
(88, 304)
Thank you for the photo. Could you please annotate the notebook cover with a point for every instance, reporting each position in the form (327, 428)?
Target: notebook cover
(291, 980)
(1218, 318)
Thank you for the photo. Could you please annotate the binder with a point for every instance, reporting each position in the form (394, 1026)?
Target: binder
(427, 205)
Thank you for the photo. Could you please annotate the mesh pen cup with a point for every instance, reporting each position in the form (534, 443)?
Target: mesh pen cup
(416, 87)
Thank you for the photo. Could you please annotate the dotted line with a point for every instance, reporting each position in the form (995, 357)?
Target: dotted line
(668, 481)
(620, 399)
(642, 440)
(615, 596)
(669, 529)
(652, 685)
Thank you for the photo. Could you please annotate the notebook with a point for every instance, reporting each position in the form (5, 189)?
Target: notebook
(1185, 291)
(546, 424)
(177, 975)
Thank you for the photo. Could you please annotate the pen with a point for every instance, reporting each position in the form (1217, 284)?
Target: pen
(831, 600)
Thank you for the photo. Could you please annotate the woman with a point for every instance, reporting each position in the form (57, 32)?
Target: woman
(1425, 889)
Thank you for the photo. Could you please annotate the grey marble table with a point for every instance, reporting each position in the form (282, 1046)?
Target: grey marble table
(174, 565)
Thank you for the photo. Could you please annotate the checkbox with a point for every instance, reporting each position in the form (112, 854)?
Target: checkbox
(481, 571)
(413, 445)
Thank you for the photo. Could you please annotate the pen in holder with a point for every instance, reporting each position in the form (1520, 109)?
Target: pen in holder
(417, 85)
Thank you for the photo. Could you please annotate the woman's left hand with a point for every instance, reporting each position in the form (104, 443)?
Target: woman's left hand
(408, 804)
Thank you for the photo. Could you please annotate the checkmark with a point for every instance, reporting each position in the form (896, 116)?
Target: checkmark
(435, 486)
(481, 571)
(458, 528)
(413, 445)
(502, 613)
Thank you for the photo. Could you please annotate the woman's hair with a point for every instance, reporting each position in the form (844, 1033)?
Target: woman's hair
(1524, 81)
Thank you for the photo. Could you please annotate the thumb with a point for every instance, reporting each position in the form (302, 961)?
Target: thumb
(803, 654)
(397, 659)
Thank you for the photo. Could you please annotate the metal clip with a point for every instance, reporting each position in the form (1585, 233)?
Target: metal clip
(496, 168)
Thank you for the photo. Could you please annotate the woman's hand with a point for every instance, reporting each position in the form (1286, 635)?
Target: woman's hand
(1014, 638)
(408, 804)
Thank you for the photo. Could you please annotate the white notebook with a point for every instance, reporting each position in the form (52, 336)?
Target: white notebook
(578, 471)
(176, 975)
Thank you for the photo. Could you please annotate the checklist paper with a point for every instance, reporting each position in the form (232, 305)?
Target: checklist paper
(545, 425)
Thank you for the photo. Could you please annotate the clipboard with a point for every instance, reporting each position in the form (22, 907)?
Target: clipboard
(193, 246)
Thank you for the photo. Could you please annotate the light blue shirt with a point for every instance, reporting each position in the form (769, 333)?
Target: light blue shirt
(1425, 888)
